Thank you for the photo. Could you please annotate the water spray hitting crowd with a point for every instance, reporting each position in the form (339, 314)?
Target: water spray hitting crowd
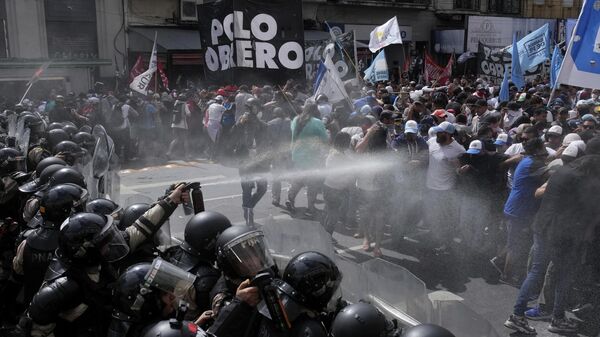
(501, 177)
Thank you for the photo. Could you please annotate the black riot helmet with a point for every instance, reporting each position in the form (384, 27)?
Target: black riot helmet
(42, 181)
(47, 162)
(175, 328)
(131, 213)
(67, 175)
(56, 136)
(70, 129)
(85, 128)
(427, 330)
(242, 253)
(84, 140)
(88, 239)
(201, 233)
(33, 122)
(8, 160)
(54, 126)
(314, 277)
(70, 150)
(355, 319)
(130, 302)
(59, 202)
(104, 207)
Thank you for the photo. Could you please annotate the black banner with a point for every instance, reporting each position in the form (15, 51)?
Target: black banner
(252, 41)
(342, 55)
(492, 62)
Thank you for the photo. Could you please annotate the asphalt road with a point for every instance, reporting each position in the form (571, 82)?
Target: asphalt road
(471, 278)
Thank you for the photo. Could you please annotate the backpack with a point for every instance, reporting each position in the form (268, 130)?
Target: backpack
(116, 115)
(228, 119)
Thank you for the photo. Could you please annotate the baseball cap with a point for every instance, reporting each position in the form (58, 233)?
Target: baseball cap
(411, 127)
(444, 127)
(475, 147)
(440, 113)
(218, 98)
(481, 102)
(502, 139)
(589, 117)
(571, 137)
(522, 97)
(574, 149)
(555, 129)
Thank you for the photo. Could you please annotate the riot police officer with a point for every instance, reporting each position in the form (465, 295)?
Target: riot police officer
(73, 298)
(146, 293)
(197, 254)
(34, 254)
(427, 330)
(105, 207)
(353, 320)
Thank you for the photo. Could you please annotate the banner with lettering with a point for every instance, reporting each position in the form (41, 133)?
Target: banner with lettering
(341, 52)
(252, 41)
(493, 60)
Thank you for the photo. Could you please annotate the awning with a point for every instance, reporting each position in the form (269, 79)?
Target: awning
(142, 38)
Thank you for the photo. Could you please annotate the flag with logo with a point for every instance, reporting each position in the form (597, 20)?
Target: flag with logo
(378, 70)
(516, 75)
(581, 64)
(557, 60)
(534, 48)
(140, 83)
(385, 35)
(433, 71)
(329, 83)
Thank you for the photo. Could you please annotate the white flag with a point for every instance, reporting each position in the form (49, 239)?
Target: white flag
(385, 35)
(329, 82)
(140, 82)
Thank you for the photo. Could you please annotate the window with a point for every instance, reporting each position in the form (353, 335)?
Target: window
(71, 29)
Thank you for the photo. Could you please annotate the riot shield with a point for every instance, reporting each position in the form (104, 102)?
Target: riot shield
(23, 142)
(397, 292)
(100, 162)
(290, 237)
(19, 130)
(451, 312)
(12, 125)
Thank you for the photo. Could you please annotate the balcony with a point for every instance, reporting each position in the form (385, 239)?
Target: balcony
(504, 7)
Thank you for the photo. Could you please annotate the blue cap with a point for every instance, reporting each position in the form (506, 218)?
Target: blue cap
(445, 127)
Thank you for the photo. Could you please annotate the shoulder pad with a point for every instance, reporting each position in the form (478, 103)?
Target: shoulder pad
(55, 270)
(53, 298)
(43, 239)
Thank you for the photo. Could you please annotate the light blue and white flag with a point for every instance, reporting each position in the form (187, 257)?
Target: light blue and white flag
(378, 70)
(534, 48)
(581, 65)
(516, 75)
(385, 35)
(504, 95)
(557, 60)
(329, 83)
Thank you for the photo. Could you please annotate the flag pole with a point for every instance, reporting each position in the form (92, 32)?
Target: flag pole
(26, 92)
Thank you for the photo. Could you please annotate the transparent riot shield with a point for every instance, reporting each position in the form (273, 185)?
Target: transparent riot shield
(19, 130)
(100, 162)
(23, 142)
(354, 282)
(12, 125)
(290, 237)
(397, 292)
(450, 311)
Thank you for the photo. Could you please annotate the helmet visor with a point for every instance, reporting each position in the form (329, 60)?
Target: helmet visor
(170, 278)
(248, 254)
(111, 243)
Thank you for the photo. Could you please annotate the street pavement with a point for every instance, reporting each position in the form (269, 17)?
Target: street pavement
(473, 279)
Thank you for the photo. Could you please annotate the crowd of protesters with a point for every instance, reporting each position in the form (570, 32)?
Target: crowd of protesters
(516, 182)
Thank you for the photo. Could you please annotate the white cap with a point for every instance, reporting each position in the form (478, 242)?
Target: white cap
(502, 139)
(571, 137)
(389, 89)
(411, 127)
(219, 98)
(475, 147)
(574, 149)
(555, 129)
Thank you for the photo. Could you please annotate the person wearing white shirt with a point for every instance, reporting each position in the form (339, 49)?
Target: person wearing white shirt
(441, 179)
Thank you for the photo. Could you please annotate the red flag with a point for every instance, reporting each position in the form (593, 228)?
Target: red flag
(38, 73)
(137, 69)
(433, 71)
(163, 76)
